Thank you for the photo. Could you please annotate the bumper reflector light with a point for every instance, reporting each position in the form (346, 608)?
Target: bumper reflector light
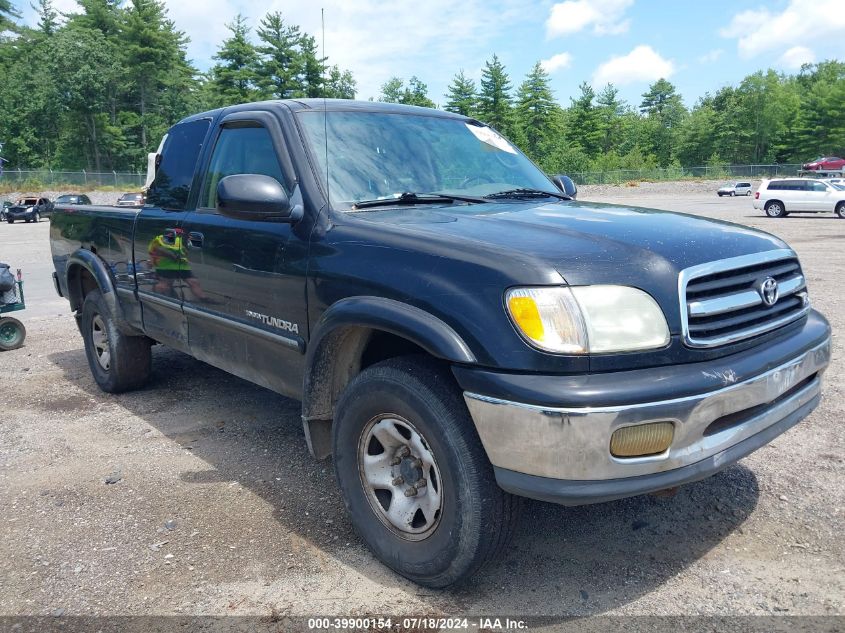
(642, 440)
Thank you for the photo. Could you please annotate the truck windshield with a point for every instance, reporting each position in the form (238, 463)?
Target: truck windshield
(379, 155)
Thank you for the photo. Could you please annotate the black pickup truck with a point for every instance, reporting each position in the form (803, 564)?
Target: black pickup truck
(460, 331)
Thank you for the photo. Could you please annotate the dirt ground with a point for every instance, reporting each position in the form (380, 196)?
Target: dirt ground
(197, 495)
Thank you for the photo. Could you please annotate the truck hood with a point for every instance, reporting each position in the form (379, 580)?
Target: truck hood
(586, 243)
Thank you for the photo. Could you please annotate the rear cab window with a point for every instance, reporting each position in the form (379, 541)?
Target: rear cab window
(179, 158)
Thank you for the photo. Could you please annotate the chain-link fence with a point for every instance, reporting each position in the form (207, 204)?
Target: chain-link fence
(713, 172)
(84, 179)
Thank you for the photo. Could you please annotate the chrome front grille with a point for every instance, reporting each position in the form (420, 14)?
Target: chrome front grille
(726, 301)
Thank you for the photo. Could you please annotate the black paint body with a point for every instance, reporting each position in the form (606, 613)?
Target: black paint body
(434, 274)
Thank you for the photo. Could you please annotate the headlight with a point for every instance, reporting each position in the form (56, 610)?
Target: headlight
(588, 319)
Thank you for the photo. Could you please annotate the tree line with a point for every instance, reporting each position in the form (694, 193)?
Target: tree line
(97, 90)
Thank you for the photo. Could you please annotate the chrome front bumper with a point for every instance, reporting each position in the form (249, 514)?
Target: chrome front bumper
(573, 444)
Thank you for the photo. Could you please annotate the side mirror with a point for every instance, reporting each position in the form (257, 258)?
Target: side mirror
(254, 197)
(566, 185)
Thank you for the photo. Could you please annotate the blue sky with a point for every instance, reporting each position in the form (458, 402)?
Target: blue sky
(699, 46)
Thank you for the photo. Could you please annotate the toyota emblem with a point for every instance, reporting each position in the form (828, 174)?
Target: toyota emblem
(769, 291)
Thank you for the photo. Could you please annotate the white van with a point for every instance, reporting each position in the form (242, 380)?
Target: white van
(780, 197)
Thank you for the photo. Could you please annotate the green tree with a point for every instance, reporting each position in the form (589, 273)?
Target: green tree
(151, 48)
(85, 68)
(340, 85)
(281, 62)
(235, 78)
(610, 113)
(584, 124)
(494, 97)
(664, 110)
(8, 15)
(47, 16)
(820, 128)
(461, 97)
(313, 68)
(535, 108)
(415, 93)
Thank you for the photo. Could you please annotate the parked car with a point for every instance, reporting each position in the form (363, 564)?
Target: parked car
(72, 198)
(6, 204)
(29, 210)
(825, 163)
(780, 197)
(458, 329)
(737, 188)
(131, 200)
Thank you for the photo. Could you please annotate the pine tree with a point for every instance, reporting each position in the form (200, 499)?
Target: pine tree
(611, 109)
(47, 22)
(313, 68)
(494, 99)
(664, 110)
(535, 112)
(281, 62)
(461, 97)
(584, 128)
(150, 46)
(8, 15)
(235, 78)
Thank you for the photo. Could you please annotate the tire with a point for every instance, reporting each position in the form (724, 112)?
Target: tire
(412, 403)
(731, 194)
(118, 362)
(840, 210)
(775, 209)
(10, 221)
(37, 217)
(12, 334)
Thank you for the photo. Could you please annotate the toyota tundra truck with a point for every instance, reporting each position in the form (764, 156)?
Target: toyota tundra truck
(461, 332)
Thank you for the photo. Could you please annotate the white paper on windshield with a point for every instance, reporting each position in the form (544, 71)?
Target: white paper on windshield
(490, 137)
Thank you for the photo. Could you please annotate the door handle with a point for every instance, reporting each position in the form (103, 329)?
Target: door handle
(195, 239)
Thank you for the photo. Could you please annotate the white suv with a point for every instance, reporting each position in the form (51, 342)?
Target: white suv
(783, 196)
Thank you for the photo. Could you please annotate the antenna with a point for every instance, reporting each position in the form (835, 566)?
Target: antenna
(325, 109)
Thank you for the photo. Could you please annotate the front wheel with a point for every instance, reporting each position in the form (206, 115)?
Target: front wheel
(775, 209)
(840, 210)
(37, 217)
(414, 475)
(118, 362)
(10, 221)
(12, 334)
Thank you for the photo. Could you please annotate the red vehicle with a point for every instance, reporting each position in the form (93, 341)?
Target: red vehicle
(824, 163)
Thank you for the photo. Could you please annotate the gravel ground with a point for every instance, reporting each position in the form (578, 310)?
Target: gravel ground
(197, 495)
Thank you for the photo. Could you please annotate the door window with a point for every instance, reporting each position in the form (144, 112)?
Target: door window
(240, 150)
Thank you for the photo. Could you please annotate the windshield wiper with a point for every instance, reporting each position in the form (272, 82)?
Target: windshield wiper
(527, 193)
(409, 197)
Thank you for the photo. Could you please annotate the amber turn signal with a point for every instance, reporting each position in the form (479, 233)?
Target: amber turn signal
(642, 440)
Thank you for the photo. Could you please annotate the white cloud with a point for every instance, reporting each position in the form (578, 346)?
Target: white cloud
(640, 65)
(711, 56)
(605, 16)
(801, 23)
(557, 62)
(796, 56)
